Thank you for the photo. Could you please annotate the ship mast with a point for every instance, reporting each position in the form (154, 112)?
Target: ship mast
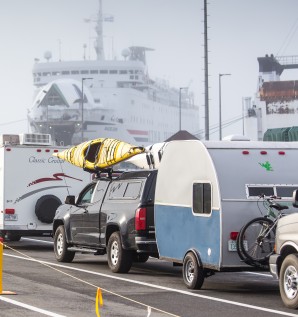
(99, 39)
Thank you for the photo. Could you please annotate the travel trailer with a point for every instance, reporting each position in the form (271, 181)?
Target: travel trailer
(206, 192)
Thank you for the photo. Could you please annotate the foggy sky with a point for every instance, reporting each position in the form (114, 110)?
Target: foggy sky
(239, 32)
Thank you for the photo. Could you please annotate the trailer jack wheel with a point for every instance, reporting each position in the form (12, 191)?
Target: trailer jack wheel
(193, 273)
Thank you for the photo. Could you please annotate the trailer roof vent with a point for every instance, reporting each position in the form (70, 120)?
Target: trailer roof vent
(9, 139)
(35, 139)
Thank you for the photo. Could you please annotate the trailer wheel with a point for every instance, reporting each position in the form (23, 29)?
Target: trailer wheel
(119, 259)
(288, 281)
(193, 273)
(45, 208)
(61, 245)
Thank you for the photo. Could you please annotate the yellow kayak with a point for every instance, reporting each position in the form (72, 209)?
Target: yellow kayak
(99, 154)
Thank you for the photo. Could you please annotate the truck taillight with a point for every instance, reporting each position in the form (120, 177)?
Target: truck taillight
(140, 219)
(9, 211)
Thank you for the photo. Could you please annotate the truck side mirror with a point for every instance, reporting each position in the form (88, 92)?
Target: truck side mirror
(70, 200)
(295, 198)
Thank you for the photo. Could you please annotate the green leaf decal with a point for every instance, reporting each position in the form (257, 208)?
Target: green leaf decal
(267, 166)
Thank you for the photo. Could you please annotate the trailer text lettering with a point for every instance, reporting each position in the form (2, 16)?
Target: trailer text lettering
(33, 159)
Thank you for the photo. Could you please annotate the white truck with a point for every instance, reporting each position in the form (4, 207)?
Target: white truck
(33, 183)
(284, 263)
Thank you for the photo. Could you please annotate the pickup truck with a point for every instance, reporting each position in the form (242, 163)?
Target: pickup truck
(284, 263)
(113, 215)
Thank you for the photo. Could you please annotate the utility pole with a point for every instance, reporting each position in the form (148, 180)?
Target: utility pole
(206, 72)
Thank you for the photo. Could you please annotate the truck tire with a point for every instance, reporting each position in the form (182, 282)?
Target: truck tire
(193, 273)
(45, 208)
(61, 245)
(119, 259)
(288, 281)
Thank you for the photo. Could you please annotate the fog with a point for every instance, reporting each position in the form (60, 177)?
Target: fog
(239, 32)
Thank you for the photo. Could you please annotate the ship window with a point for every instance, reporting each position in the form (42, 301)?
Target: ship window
(113, 71)
(75, 72)
(201, 198)
(131, 71)
(84, 71)
(103, 71)
(65, 72)
(97, 100)
(46, 74)
(131, 77)
(123, 72)
(93, 71)
(55, 73)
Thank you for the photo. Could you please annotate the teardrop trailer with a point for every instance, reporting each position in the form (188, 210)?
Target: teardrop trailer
(206, 192)
(33, 183)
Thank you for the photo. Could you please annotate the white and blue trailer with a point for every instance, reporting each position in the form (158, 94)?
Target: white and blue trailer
(205, 193)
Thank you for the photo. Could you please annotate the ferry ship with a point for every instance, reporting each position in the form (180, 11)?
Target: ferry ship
(275, 105)
(81, 100)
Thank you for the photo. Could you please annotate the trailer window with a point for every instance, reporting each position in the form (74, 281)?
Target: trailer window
(257, 191)
(201, 198)
(285, 191)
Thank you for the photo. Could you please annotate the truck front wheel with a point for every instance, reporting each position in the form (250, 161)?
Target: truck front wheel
(119, 259)
(193, 273)
(60, 246)
(288, 281)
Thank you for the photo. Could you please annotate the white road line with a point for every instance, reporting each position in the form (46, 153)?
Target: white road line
(278, 312)
(33, 308)
(37, 240)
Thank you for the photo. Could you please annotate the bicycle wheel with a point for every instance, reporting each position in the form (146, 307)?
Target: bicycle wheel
(256, 240)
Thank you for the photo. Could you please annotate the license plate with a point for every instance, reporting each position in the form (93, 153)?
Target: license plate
(232, 245)
(10, 217)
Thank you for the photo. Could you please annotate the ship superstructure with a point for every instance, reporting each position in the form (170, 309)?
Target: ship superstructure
(276, 102)
(82, 100)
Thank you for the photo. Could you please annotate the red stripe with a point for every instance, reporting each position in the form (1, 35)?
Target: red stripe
(138, 132)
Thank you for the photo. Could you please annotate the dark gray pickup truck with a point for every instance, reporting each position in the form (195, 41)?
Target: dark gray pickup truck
(113, 215)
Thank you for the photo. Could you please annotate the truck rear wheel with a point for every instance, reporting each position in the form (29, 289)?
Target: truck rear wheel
(288, 281)
(61, 245)
(193, 273)
(119, 259)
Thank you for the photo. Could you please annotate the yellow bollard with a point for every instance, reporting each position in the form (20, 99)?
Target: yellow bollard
(1, 268)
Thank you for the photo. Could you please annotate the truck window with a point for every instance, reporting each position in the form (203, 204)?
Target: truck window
(133, 190)
(201, 202)
(117, 190)
(86, 196)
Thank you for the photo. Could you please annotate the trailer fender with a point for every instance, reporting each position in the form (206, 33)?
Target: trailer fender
(196, 254)
(45, 208)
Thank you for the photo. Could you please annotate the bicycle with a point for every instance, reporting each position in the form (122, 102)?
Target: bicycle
(255, 241)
